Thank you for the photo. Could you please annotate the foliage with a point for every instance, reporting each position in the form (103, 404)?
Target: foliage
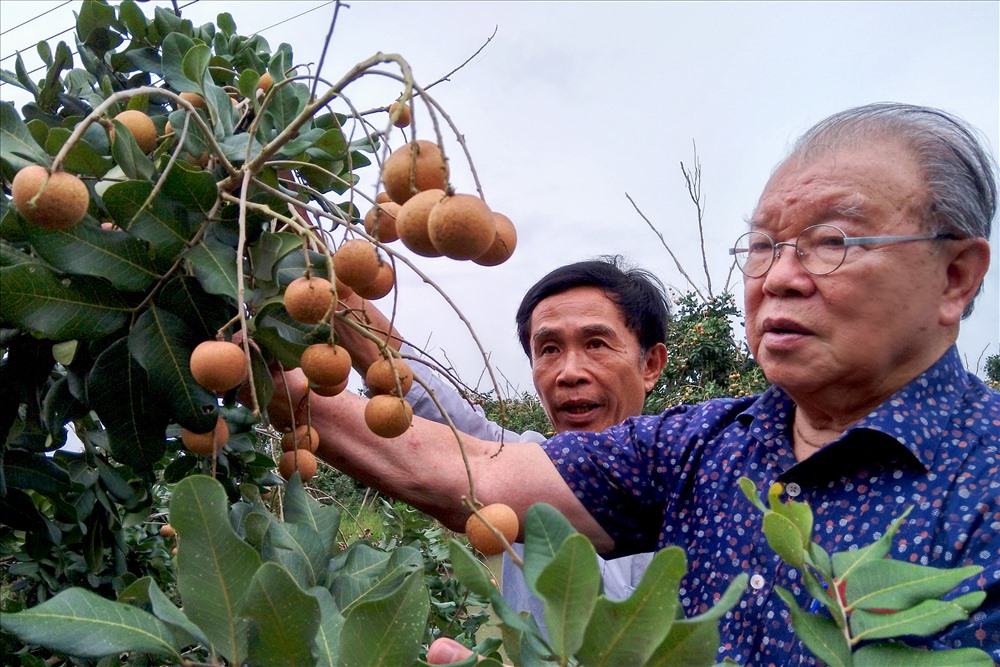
(993, 371)
(518, 414)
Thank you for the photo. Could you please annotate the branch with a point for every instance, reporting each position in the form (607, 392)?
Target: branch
(669, 251)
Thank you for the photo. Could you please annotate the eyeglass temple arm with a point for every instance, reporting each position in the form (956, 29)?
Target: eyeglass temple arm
(868, 240)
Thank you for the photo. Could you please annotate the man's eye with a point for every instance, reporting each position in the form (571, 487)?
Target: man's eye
(547, 349)
(597, 342)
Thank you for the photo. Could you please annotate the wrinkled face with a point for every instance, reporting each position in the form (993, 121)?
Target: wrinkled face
(586, 364)
(872, 325)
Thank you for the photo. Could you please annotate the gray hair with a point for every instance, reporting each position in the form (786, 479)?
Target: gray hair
(960, 175)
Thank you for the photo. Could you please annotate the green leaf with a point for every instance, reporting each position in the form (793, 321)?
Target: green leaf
(388, 630)
(18, 149)
(162, 343)
(82, 158)
(205, 313)
(545, 529)
(302, 509)
(89, 250)
(268, 250)
(469, 570)
(845, 561)
(192, 187)
(195, 62)
(629, 632)
(214, 265)
(569, 586)
(145, 591)
(299, 548)
(80, 623)
(750, 491)
(327, 644)
(118, 391)
(285, 619)
(893, 584)
(819, 633)
(215, 568)
(783, 536)
(28, 470)
(163, 224)
(37, 300)
(285, 338)
(175, 47)
(133, 19)
(925, 619)
(801, 516)
(900, 655)
(127, 154)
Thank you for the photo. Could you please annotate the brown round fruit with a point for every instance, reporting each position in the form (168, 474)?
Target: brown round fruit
(400, 113)
(402, 178)
(52, 201)
(356, 263)
(141, 126)
(380, 222)
(326, 364)
(411, 223)
(167, 531)
(381, 286)
(209, 443)
(218, 365)
(501, 517)
(462, 227)
(503, 245)
(308, 300)
(388, 416)
(265, 82)
(328, 389)
(381, 379)
(382, 197)
(304, 437)
(302, 460)
(194, 99)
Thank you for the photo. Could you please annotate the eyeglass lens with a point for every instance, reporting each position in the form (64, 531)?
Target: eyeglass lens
(819, 248)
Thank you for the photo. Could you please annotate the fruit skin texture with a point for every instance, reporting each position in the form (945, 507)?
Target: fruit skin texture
(62, 203)
(218, 365)
(502, 517)
(141, 126)
(209, 443)
(381, 286)
(382, 197)
(326, 364)
(411, 223)
(431, 173)
(194, 99)
(381, 379)
(356, 263)
(308, 300)
(265, 82)
(306, 464)
(328, 389)
(404, 117)
(382, 219)
(388, 416)
(304, 437)
(503, 245)
(462, 227)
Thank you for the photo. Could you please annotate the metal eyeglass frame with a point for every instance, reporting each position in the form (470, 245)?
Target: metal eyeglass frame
(849, 241)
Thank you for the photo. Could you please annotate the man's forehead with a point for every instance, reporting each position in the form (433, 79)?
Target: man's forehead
(580, 308)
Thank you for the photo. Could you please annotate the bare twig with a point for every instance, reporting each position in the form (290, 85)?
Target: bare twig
(669, 251)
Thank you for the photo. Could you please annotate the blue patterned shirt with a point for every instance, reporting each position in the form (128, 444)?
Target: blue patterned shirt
(672, 479)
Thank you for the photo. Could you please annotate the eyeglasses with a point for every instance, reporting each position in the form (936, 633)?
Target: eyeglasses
(821, 249)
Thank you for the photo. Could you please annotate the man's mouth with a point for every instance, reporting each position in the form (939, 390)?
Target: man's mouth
(783, 326)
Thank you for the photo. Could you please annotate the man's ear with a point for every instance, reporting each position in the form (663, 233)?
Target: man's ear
(965, 273)
(652, 365)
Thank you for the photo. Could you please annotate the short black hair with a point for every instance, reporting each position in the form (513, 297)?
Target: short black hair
(639, 295)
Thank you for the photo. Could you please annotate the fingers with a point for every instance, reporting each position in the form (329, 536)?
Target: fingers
(444, 651)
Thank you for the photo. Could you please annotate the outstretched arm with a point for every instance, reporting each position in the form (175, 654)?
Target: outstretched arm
(424, 467)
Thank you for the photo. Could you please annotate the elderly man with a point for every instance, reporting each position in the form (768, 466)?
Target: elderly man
(867, 245)
(594, 334)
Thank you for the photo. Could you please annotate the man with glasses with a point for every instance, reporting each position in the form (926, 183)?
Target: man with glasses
(866, 248)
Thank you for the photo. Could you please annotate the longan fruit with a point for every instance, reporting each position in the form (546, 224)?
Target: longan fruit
(326, 364)
(381, 286)
(328, 389)
(503, 245)
(53, 201)
(381, 379)
(265, 82)
(300, 459)
(308, 300)
(141, 126)
(461, 227)
(209, 443)
(411, 222)
(382, 197)
(304, 437)
(167, 531)
(356, 263)
(218, 365)
(194, 99)
(400, 113)
(429, 172)
(388, 416)
(501, 517)
(380, 222)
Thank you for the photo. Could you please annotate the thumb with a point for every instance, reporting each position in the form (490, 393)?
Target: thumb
(444, 651)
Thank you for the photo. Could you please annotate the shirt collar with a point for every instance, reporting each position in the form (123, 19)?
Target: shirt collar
(925, 406)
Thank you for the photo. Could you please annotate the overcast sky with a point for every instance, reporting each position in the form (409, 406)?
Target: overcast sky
(573, 104)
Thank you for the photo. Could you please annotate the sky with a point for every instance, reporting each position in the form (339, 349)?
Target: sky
(573, 107)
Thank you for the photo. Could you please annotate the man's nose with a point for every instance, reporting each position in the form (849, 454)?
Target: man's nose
(787, 273)
(573, 368)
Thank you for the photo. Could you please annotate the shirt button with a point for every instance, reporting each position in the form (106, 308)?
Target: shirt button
(793, 490)
(757, 582)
